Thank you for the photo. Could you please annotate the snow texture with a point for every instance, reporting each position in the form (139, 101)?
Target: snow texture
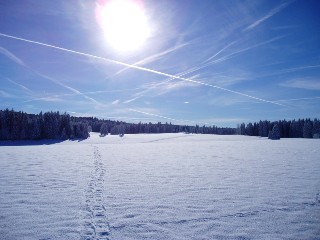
(160, 186)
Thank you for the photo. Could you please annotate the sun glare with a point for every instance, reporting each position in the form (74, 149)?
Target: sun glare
(124, 23)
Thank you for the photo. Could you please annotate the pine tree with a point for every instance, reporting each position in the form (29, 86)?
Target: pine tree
(249, 129)
(35, 129)
(63, 134)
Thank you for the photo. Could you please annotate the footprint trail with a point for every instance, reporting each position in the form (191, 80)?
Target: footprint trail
(96, 225)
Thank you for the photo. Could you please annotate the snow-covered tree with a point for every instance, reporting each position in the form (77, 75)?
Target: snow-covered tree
(307, 129)
(316, 128)
(274, 134)
(103, 130)
(249, 129)
(121, 130)
(114, 130)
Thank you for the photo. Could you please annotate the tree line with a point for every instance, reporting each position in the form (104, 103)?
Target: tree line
(301, 128)
(119, 127)
(16, 125)
(50, 125)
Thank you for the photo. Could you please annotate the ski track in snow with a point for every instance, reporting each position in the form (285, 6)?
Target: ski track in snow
(95, 225)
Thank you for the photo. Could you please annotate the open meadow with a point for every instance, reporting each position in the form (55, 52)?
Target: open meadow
(160, 186)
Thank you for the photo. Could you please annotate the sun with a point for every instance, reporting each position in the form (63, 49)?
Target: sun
(123, 22)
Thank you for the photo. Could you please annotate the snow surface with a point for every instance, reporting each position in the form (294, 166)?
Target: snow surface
(164, 186)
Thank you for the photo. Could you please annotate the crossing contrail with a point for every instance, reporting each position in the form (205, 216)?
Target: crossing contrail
(139, 68)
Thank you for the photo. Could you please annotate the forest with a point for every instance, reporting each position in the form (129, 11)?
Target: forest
(301, 128)
(18, 125)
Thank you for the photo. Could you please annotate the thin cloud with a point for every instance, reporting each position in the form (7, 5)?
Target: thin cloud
(216, 121)
(115, 101)
(287, 27)
(11, 56)
(225, 80)
(212, 121)
(149, 87)
(174, 86)
(223, 100)
(45, 99)
(284, 71)
(298, 99)
(116, 114)
(138, 68)
(132, 99)
(5, 94)
(309, 84)
(113, 91)
(162, 87)
(297, 69)
(266, 17)
(159, 116)
(95, 92)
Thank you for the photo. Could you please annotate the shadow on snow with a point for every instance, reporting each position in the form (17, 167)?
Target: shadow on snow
(35, 142)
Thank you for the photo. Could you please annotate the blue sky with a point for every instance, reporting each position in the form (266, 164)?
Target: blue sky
(203, 62)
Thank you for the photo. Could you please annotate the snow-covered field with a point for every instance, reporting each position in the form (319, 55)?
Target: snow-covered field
(165, 186)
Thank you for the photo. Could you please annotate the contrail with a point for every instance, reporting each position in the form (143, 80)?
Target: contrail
(139, 68)
(11, 56)
(20, 62)
(153, 86)
(216, 54)
(20, 85)
(68, 87)
(153, 57)
(226, 57)
(266, 17)
(205, 64)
